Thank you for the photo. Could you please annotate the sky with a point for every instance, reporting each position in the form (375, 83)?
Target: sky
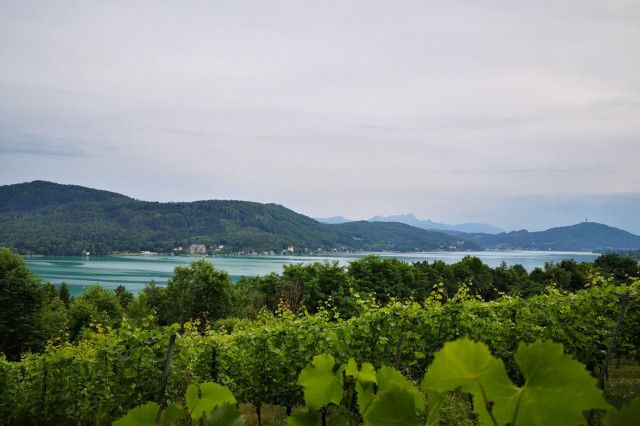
(518, 114)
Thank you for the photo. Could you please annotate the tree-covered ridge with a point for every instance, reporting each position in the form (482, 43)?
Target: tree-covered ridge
(33, 196)
(379, 236)
(46, 218)
(582, 236)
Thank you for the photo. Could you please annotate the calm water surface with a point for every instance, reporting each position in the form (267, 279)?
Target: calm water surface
(135, 271)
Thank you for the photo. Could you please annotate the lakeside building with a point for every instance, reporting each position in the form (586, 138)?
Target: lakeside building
(197, 250)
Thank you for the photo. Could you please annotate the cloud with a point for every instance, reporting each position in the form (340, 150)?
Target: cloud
(338, 107)
(39, 145)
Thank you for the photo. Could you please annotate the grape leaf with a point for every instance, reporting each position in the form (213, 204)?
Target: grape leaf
(557, 388)
(144, 415)
(305, 418)
(395, 406)
(225, 415)
(172, 414)
(469, 365)
(434, 400)
(212, 395)
(365, 379)
(321, 385)
(365, 395)
(627, 415)
(351, 368)
(388, 377)
(366, 374)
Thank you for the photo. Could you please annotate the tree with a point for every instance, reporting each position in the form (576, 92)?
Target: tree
(49, 291)
(64, 294)
(21, 302)
(54, 318)
(384, 277)
(138, 310)
(247, 298)
(198, 291)
(95, 305)
(124, 296)
(471, 271)
(155, 298)
(622, 268)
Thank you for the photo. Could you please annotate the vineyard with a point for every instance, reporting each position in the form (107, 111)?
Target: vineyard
(101, 377)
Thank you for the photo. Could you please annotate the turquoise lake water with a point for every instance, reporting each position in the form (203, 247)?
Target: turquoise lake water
(135, 271)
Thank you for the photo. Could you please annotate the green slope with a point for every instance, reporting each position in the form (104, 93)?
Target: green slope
(582, 236)
(396, 236)
(48, 218)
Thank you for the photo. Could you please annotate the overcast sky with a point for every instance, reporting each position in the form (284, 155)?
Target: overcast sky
(522, 114)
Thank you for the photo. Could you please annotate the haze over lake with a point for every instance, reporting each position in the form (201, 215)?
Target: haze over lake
(136, 271)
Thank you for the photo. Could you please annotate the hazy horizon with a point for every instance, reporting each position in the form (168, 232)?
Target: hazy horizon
(516, 115)
(366, 218)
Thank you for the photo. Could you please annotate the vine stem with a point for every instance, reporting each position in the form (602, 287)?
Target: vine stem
(396, 363)
(487, 405)
(515, 412)
(624, 298)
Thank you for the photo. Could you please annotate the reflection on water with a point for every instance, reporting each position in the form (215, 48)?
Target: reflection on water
(135, 271)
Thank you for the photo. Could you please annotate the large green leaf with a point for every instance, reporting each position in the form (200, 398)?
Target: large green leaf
(351, 369)
(627, 415)
(144, 415)
(395, 406)
(365, 380)
(172, 414)
(305, 418)
(212, 395)
(365, 394)
(469, 365)
(557, 388)
(225, 415)
(366, 374)
(321, 385)
(434, 402)
(388, 377)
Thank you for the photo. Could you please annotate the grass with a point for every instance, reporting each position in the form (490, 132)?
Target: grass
(623, 384)
(272, 415)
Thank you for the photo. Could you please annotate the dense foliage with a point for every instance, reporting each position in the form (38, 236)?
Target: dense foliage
(321, 285)
(341, 395)
(110, 370)
(21, 324)
(199, 292)
(91, 358)
(46, 218)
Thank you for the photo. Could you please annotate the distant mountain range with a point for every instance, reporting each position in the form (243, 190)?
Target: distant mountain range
(579, 237)
(48, 218)
(410, 219)
(586, 236)
(334, 220)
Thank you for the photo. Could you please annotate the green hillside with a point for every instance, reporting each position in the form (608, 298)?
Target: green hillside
(47, 218)
(582, 236)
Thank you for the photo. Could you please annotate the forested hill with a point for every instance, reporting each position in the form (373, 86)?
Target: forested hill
(48, 218)
(582, 236)
(36, 195)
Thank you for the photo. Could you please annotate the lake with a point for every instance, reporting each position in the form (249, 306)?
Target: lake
(135, 271)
